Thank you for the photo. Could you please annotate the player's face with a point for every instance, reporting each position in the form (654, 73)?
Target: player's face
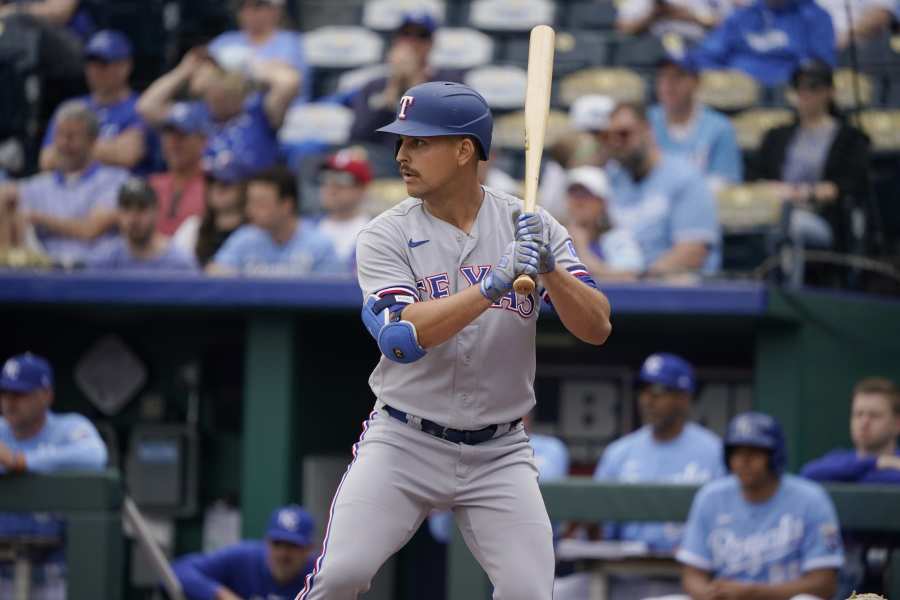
(285, 560)
(662, 408)
(751, 466)
(585, 209)
(430, 165)
(339, 192)
(107, 77)
(73, 144)
(25, 411)
(182, 151)
(873, 424)
(137, 223)
(675, 87)
(265, 208)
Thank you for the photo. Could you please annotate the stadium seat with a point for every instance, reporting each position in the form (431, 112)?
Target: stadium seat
(385, 193)
(846, 94)
(883, 128)
(327, 124)
(574, 50)
(639, 52)
(622, 85)
(511, 15)
(461, 48)
(342, 46)
(728, 90)
(509, 130)
(385, 15)
(594, 14)
(748, 206)
(502, 86)
(751, 125)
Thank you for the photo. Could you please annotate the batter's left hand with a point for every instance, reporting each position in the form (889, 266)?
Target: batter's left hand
(532, 227)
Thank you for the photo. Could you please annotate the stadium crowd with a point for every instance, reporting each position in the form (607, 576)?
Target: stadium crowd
(640, 186)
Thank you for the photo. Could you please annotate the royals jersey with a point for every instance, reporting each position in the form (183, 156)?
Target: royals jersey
(791, 533)
(484, 374)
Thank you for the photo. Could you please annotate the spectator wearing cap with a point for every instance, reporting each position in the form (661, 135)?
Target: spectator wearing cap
(343, 181)
(607, 253)
(123, 140)
(821, 161)
(690, 19)
(375, 104)
(246, 107)
(768, 40)
(72, 207)
(274, 568)
(34, 439)
(181, 187)
(276, 242)
(683, 125)
(668, 448)
(139, 246)
(662, 199)
(261, 38)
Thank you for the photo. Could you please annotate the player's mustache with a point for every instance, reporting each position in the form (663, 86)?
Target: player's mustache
(408, 171)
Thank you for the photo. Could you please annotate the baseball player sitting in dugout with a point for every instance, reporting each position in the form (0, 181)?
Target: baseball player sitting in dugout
(760, 533)
(254, 570)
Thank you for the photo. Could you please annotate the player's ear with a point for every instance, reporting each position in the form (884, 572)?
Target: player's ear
(466, 151)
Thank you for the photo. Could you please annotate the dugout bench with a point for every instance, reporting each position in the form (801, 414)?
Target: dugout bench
(860, 508)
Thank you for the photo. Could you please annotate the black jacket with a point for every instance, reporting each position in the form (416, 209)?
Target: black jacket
(846, 165)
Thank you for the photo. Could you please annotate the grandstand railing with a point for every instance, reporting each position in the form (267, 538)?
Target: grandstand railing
(860, 508)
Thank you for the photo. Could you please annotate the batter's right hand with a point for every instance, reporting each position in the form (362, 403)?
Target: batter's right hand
(520, 258)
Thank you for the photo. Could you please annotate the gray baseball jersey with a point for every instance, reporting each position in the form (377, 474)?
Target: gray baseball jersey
(484, 374)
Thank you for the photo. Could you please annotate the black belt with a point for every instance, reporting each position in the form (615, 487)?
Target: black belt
(457, 436)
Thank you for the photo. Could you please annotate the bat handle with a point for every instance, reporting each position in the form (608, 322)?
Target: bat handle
(523, 285)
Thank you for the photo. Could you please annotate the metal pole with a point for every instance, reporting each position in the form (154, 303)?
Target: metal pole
(157, 558)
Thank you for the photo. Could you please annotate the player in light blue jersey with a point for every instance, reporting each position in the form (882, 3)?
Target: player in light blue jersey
(667, 449)
(760, 533)
(36, 440)
(684, 126)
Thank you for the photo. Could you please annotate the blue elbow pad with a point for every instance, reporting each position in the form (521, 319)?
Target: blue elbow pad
(396, 338)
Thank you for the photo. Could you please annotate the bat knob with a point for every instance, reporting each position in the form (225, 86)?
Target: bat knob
(523, 285)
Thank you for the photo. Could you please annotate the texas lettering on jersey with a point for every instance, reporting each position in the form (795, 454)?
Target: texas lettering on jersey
(438, 286)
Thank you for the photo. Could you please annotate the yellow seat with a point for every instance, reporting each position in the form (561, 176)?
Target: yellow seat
(845, 96)
(751, 125)
(883, 128)
(728, 90)
(509, 130)
(385, 193)
(748, 206)
(622, 85)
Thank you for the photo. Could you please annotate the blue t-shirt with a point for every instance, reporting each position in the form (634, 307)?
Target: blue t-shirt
(115, 119)
(769, 44)
(695, 456)
(245, 144)
(792, 533)
(284, 46)
(241, 568)
(710, 143)
(847, 465)
(252, 251)
(672, 204)
(114, 254)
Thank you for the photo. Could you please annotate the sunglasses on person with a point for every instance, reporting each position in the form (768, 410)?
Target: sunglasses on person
(655, 389)
(419, 33)
(340, 178)
(621, 135)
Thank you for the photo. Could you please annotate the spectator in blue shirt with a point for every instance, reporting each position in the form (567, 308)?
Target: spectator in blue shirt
(73, 207)
(273, 569)
(769, 39)
(33, 439)
(139, 246)
(276, 242)
(760, 533)
(246, 109)
(124, 140)
(874, 428)
(662, 199)
(261, 38)
(682, 125)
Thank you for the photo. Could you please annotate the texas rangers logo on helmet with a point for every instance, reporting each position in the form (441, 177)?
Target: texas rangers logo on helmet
(405, 103)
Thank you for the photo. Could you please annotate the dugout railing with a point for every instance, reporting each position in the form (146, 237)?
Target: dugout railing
(873, 509)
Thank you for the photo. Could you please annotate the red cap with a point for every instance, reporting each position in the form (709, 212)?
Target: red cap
(350, 162)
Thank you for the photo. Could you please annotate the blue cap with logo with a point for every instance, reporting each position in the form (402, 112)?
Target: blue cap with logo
(291, 524)
(25, 373)
(187, 117)
(668, 370)
(108, 45)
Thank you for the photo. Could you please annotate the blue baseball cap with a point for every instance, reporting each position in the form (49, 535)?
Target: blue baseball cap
(418, 18)
(668, 370)
(108, 45)
(291, 524)
(187, 117)
(25, 373)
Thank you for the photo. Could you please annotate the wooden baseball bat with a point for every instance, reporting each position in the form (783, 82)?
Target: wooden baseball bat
(537, 106)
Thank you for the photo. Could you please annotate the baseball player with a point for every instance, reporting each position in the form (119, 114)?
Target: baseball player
(457, 368)
(760, 533)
